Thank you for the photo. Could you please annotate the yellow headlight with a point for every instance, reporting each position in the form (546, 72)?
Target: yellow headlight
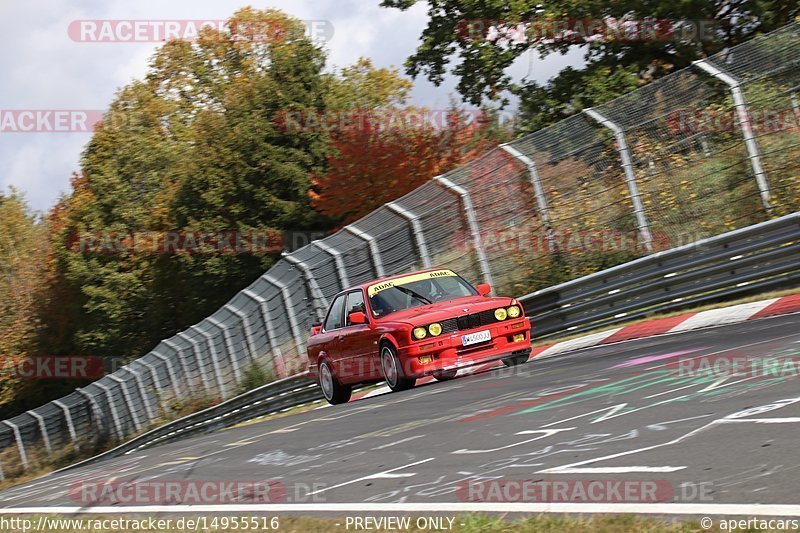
(420, 333)
(514, 311)
(435, 329)
(500, 314)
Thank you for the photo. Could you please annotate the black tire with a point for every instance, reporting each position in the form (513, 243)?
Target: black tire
(393, 370)
(445, 375)
(333, 391)
(516, 360)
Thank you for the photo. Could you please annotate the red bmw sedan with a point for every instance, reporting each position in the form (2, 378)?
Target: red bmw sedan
(401, 328)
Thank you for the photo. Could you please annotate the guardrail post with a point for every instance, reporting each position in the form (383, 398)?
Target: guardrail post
(416, 228)
(138, 378)
(337, 257)
(248, 335)
(201, 369)
(472, 222)
(214, 360)
(320, 303)
(630, 177)
(373, 248)
(70, 424)
(43, 430)
(126, 397)
(97, 414)
(287, 303)
(20, 445)
(226, 337)
(745, 124)
(170, 372)
(538, 191)
(113, 409)
(280, 364)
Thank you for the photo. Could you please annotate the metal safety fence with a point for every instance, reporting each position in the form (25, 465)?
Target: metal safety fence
(703, 151)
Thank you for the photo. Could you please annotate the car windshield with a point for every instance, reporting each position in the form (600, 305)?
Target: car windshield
(417, 290)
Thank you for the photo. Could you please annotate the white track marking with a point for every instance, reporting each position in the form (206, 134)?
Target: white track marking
(382, 446)
(732, 418)
(385, 474)
(726, 315)
(619, 469)
(543, 433)
(686, 509)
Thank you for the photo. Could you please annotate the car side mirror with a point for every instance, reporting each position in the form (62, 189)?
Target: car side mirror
(357, 317)
(484, 289)
(315, 329)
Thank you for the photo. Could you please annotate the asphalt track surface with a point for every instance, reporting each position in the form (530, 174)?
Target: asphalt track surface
(614, 412)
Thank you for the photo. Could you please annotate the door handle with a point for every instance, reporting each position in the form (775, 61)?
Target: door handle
(341, 338)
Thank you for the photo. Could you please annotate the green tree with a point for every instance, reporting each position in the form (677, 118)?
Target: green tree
(457, 33)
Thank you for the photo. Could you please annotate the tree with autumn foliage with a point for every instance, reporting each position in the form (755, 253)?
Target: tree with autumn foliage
(382, 148)
(23, 264)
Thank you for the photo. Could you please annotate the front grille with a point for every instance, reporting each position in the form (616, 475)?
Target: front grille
(476, 320)
(450, 325)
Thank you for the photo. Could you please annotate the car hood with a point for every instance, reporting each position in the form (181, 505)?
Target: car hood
(435, 312)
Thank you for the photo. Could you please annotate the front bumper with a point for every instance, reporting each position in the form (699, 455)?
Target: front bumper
(448, 352)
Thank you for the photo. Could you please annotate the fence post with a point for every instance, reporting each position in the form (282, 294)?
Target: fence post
(248, 335)
(214, 360)
(20, 446)
(43, 430)
(126, 397)
(201, 369)
(170, 372)
(277, 357)
(287, 303)
(630, 177)
(95, 409)
(337, 257)
(138, 378)
(156, 381)
(472, 222)
(229, 345)
(538, 191)
(68, 418)
(320, 303)
(745, 124)
(182, 360)
(113, 409)
(373, 248)
(416, 227)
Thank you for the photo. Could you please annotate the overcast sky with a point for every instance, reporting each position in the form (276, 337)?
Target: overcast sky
(44, 69)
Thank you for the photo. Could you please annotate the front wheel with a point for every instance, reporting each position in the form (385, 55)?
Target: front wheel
(393, 370)
(333, 391)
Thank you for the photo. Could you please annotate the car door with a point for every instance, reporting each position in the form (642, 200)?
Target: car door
(328, 340)
(358, 343)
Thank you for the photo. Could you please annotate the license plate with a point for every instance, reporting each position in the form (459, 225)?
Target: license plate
(475, 338)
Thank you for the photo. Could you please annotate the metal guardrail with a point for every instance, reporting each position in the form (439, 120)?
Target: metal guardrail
(268, 399)
(759, 257)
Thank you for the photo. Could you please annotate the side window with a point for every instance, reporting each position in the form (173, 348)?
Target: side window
(334, 318)
(355, 302)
